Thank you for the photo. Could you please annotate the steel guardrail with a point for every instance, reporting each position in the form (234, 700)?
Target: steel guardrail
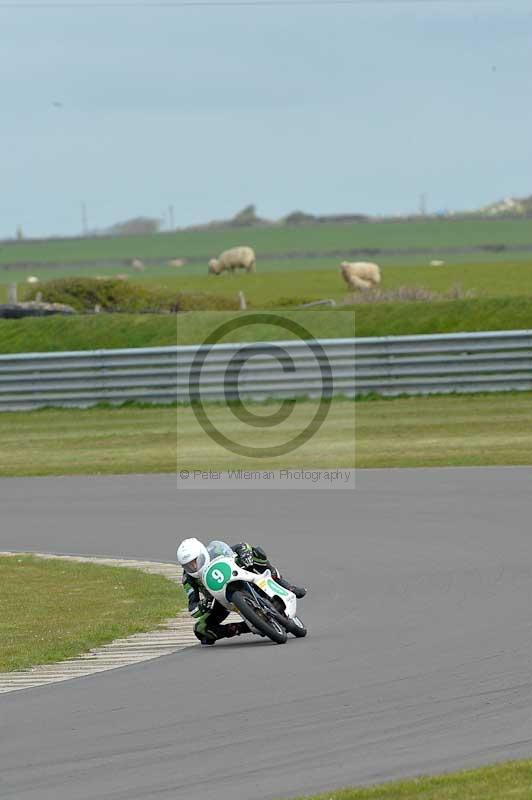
(388, 366)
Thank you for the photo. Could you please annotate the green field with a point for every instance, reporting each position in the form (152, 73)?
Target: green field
(428, 234)
(53, 610)
(509, 781)
(174, 277)
(291, 287)
(433, 431)
(314, 250)
(283, 284)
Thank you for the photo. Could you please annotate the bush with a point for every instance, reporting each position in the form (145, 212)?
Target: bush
(113, 294)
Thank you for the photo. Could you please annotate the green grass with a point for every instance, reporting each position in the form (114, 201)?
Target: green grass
(34, 335)
(265, 290)
(154, 330)
(53, 610)
(430, 234)
(293, 284)
(503, 298)
(319, 278)
(508, 781)
(434, 431)
(174, 277)
(461, 430)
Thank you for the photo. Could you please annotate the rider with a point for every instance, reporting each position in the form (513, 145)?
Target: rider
(193, 555)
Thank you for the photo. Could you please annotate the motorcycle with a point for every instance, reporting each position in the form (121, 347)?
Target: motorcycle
(267, 608)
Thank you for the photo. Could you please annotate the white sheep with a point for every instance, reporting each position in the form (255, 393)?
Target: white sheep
(137, 265)
(360, 274)
(32, 279)
(236, 258)
(437, 263)
(176, 262)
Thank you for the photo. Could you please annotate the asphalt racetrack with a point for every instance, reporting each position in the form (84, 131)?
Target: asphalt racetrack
(417, 660)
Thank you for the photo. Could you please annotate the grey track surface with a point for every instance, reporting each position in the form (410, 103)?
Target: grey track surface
(418, 657)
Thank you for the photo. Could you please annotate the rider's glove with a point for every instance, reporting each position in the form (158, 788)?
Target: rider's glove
(244, 553)
(204, 606)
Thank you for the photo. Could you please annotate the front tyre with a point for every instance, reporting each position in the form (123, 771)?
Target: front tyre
(295, 627)
(258, 616)
(292, 625)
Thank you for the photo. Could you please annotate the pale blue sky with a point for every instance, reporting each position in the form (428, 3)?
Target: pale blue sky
(322, 108)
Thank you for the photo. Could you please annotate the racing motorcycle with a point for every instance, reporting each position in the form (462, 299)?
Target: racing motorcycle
(267, 608)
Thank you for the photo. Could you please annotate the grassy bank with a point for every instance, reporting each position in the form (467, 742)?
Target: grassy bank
(509, 781)
(53, 610)
(457, 430)
(154, 330)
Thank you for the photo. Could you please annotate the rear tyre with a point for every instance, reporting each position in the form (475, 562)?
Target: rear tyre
(261, 618)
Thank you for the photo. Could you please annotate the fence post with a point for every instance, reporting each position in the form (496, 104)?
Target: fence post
(12, 293)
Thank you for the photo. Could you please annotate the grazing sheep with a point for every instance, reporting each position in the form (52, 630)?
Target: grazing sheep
(360, 274)
(437, 263)
(32, 279)
(176, 262)
(137, 265)
(229, 260)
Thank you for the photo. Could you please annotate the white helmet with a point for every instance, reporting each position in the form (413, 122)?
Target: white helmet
(193, 556)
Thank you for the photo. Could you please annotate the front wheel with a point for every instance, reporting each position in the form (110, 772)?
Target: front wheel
(259, 617)
(291, 624)
(295, 627)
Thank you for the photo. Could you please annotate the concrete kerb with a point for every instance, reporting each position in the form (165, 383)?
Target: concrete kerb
(171, 636)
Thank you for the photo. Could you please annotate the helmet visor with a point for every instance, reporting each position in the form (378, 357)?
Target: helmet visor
(196, 565)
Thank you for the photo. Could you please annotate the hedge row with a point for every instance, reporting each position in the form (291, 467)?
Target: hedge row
(117, 295)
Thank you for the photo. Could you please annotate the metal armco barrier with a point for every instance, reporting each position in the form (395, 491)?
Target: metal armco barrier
(462, 362)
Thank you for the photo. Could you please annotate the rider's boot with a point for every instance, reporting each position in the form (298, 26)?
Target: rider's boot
(299, 591)
(208, 638)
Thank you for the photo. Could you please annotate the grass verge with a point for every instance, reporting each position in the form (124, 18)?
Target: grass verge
(53, 610)
(109, 331)
(509, 781)
(458, 430)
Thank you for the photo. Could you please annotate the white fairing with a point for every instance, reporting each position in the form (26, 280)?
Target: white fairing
(223, 570)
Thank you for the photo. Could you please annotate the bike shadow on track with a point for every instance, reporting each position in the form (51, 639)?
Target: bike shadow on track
(250, 643)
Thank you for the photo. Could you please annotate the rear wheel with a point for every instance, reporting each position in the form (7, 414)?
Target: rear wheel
(260, 617)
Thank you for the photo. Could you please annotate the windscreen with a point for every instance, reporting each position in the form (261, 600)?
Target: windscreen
(217, 548)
